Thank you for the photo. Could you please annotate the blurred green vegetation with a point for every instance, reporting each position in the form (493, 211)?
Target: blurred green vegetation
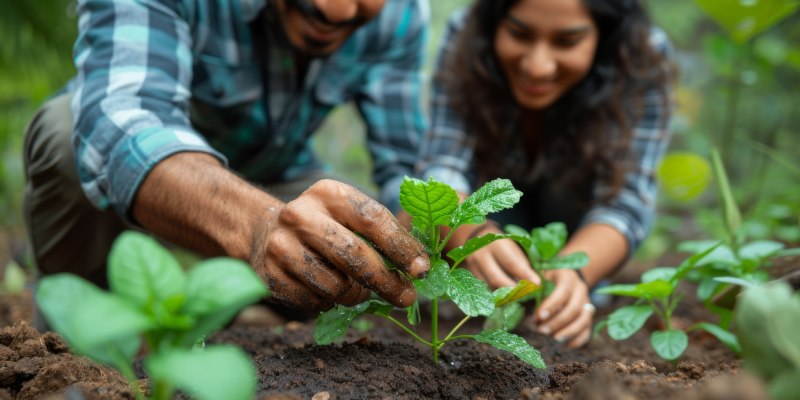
(740, 75)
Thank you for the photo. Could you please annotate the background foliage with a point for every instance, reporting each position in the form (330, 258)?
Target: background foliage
(737, 91)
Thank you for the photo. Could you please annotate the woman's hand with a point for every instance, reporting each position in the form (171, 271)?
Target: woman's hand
(501, 263)
(567, 313)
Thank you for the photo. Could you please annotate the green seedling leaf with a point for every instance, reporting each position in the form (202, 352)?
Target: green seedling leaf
(333, 324)
(512, 344)
(492, 197)
(659, 274)
(761, 250)
(219, 372)
(626, 321)
(435, 284)
(669, 344)
(684, 175)
(13, 278)
(570, 261)
(517, 231)
(505, 295)
(745, 19)
(470, 294)
(460, 253)
(730, 211)
(93, 322)
(736, 281)
(429, 203)
(221, 283)
(412, 313)
(723, 335)
(754, 310)
(622, 289)
(784, 324)
(549, 240)
(143, 271)
(689, 264)
(505, 318)
(648, 290)
(707, 288)
(784, 386)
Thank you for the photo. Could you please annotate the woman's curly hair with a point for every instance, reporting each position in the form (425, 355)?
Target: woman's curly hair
(589, 127)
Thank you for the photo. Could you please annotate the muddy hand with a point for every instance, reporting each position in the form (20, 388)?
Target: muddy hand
(310, 257)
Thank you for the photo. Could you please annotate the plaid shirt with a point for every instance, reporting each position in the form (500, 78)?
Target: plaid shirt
(158, 77)
(447, 152)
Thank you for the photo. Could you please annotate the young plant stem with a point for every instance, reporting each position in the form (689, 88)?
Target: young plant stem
(435, 329)
(457, 327)
(409, 331)
(125, 368)
(162, 390)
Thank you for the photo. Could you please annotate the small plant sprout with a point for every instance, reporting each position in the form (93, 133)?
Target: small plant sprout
(151, 298)
(657, 294)
(543, 245)
(434, 205)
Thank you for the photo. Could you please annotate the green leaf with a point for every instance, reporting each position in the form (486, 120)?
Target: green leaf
(784, 386)
(143, 271)
(689, 264)
(669, 344)
(723, 335)
(659, 274)
(518, 231)
(783, 323)
(512, 344)
(707, 288)
(505, 318)
(755, 309)
(412, 314)
(221, 283)
(626, 321)
(761, 250)
(684, 175)
(93, 322)
(218, 372)
(492, 197)
(14, 278)
(505, 295)
(460, 253)
(470, 294)
(429, 203)
(549, 240)
(332, 324)
(736, 281)
(730, 211)
(570, 261)
(436, 283)
(745, 19)
(621, 289)
(648, 290)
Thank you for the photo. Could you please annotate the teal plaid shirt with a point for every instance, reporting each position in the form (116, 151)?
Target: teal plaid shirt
(158, 77)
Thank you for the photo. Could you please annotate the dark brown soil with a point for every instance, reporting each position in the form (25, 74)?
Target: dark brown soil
(384, 363)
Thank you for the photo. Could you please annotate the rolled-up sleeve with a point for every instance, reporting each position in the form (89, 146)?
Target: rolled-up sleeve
(130, 104)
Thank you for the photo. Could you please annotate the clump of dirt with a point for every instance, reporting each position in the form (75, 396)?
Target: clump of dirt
(35, 366)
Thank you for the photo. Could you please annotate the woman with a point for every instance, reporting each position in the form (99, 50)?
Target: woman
(570, 100)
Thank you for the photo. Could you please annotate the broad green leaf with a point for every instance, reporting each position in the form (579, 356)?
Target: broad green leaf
(659, 273)
(736, 281)
(570, 261)
(143, 271)
(754, 309)
(517, 230)
(512, 344)
(460, 253)
(470, 294)
(435, 284)
(93, 322)
(707, 288)
(689, 264)
(723, 335)
(492, 197)
(549, 240)
(657, 289)
(684, 175)
(412, 314)
(761, 249)
(375, 307)
(784, 386)
(626, 321)
(505, 318)
(789, 252)
(14, 278)
(429, 203)
(783, 323)
(221, 283)
(332, 324)
(218, 372)
(669, 344)
(730, 211)
(505, 295)
(744, 19)
(622, 289)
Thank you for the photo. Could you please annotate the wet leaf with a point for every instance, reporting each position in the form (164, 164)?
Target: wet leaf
(218, 372)
(429, 203)
(669, 344)
(626, 321)
(512, 344)
(470, 294)
(492, 197)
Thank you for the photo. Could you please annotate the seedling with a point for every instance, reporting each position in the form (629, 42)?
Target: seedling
(657, 294)
(432, 206)
(543, 245)
(151, 298)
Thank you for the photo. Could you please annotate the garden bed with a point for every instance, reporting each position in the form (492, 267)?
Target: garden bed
(381, 362)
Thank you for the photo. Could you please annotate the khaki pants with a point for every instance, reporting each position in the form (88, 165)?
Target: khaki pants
(66, 232)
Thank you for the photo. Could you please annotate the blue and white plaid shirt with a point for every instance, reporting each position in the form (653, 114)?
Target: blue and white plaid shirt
(158, 77)
(447, 153)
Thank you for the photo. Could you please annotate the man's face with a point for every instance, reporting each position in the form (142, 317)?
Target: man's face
(319, 27)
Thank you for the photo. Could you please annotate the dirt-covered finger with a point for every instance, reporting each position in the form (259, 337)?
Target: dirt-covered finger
(287, 290)
(574, 329)
(326, 280)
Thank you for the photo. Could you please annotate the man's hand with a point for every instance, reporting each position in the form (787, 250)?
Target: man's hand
(565, 314)
(309, 255)
(305, 250)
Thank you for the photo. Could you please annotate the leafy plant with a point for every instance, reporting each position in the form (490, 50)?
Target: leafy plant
(767, 322)
(658, 294)
(542, 246)
(434, 205)
(153, 299)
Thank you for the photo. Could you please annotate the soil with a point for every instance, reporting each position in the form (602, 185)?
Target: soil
(382, 362)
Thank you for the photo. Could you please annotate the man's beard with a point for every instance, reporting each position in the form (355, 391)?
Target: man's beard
(312, 47)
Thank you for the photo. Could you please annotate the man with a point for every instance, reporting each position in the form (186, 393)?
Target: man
(182, 109)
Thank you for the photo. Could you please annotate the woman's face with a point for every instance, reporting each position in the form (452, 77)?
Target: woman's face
(545, 47)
